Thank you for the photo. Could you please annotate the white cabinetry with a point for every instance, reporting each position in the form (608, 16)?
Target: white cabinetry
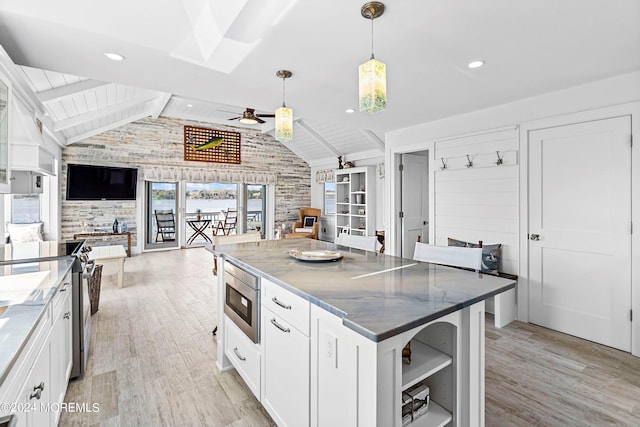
(39, 378)
(32, 157)
(355, 201)
(243, 354)
(26, 182)
(285, 355)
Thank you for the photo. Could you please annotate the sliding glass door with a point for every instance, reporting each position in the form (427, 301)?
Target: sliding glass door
(256, 208)
(210, 209)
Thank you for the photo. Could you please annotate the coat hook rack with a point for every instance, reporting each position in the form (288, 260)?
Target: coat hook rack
(469, 162)
(444, 165)
(499, 161)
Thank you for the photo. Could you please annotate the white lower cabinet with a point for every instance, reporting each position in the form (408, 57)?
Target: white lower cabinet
(37, 383)
(243, 354)
(285, 387)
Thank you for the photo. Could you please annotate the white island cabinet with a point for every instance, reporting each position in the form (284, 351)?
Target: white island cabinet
(332, 336)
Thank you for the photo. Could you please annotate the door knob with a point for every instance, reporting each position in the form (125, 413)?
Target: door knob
(534, 236)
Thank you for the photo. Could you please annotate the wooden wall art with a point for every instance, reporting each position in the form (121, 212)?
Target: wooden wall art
(210, 145)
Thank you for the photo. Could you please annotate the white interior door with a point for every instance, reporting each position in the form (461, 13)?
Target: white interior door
(580, 230)
(415, 201)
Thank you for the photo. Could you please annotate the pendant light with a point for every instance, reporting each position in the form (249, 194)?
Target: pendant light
(284, 115)
(372, 75)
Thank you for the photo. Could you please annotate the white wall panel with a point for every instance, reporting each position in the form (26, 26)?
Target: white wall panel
(479, 202)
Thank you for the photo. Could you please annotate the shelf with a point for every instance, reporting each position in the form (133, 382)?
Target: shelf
(341, 214)
(341, 203)
(342, 182)
(425, 361)
(436, 417)
(358, 192)
(358, 204)
(358, 216)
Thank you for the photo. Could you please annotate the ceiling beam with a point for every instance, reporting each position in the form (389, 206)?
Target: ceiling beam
(374, 138)
(58, 93)
(108, 127)
(163, 100)
(320, 140)
(102, 112)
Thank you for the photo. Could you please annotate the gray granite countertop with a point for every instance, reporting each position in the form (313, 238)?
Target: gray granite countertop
(376, 295)
(25, 291)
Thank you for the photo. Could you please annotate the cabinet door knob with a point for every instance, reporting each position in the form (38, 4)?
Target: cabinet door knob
(238, 355)
(279, 326)
(535, 237)
(281, 304)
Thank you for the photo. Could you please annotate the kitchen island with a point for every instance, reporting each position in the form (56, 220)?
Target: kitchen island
(331, 335)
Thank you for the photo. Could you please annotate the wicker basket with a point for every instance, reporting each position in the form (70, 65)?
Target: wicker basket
(94, 288)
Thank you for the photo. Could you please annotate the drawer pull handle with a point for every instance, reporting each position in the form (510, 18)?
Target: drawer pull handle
(279, 326)
(65, 287)
(238, 355)
(283, 305)
(67, 315)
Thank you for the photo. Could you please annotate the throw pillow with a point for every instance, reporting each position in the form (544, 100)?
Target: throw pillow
(308, 221)
(23, 233)
(490, 254)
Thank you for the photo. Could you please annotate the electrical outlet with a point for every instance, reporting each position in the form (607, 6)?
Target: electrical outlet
(332, 348)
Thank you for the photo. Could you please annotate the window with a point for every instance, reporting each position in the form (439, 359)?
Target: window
(329, 198)
(25, 208)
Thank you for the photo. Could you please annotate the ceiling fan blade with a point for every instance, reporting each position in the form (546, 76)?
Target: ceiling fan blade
(265, 115)
(259, 120)
(235, 118)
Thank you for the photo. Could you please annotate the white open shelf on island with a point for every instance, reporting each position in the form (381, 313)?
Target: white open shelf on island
(436, 417)
(425, 361)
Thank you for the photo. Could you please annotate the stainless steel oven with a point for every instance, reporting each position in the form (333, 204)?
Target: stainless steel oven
(242, 300)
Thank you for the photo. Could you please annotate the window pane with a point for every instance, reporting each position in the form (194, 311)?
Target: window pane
(329, 198)
(25, 208)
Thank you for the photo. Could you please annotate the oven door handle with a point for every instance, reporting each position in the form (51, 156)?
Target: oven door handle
(89, 271)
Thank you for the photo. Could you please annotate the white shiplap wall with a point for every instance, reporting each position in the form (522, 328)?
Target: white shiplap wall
(478, 202)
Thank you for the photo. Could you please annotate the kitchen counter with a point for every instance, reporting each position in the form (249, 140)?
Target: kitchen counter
(25, 291)
(378, 296)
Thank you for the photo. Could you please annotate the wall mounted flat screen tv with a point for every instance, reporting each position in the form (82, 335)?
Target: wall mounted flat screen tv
(87, 182)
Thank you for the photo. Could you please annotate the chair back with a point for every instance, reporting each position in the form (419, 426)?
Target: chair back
(251, 236)
(228, 223)
(166, 224)
(449, 255)
(366, 243)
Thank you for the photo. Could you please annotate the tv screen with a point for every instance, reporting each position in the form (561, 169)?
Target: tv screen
(86, 182)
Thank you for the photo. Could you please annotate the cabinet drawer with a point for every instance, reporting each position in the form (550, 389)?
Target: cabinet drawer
(286, 305)
(243, 354)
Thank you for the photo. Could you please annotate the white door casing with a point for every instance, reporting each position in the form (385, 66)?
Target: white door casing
(580, 207)
(415, 201)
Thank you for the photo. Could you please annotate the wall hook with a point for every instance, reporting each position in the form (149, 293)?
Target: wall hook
(499, 161)
(469, 162)
(444, 165)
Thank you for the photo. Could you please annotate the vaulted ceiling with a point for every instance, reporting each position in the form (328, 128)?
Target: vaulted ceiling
(209, 60)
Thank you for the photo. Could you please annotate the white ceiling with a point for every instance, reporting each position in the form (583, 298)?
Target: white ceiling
(219, 55)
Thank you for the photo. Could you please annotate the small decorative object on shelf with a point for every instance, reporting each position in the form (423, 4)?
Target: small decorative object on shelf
(122, 227)
(340, 165)
(361, 211)
(348, 165)
(406, 353)
(415, 402)
(115, 226)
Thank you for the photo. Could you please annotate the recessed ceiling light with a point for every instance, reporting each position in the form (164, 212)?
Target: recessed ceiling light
(114, 56)
(350, 110)
(189, 105)
(476, 64)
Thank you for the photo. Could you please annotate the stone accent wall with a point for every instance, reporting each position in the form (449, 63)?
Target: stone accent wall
(160, 142)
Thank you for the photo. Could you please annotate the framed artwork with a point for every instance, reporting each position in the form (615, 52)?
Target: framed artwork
(211, 145)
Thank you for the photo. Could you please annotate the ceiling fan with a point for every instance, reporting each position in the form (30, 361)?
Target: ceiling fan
(250, 118)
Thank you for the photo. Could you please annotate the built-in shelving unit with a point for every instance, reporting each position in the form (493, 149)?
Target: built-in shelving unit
(355, 201)
(429, 365)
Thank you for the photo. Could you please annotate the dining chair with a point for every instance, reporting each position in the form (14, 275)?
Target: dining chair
(366, 243)
(166, 225)
(228, 224)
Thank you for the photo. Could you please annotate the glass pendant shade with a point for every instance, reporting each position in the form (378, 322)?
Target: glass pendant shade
(284, 124)
(372, 85)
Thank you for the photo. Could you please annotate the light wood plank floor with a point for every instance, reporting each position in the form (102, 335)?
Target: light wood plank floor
(152, 362)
